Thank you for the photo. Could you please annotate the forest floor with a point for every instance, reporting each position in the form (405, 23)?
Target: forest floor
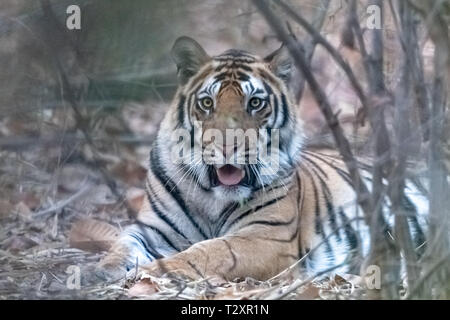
(52, 190)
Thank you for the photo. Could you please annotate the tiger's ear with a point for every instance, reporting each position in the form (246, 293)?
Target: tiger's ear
(189, 56)
(280, 62)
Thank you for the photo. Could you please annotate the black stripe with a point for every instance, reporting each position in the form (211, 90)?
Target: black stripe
(234, 65)
(266, 75)
(332, 218)
(190, 102)
(350, 233)
(159, 233)
(343, 174)
(272, 223)
(359, 163)
(224, 215)
(233, 256)
(232, 59)
(221, 76)
(170, 186)
(181, 111)
(252, 87)
(246, 213)
(269, 187)
(160, 214)
(330, 208)
(220, 67)
(318, 227)
(284, 105)
(275, 101)
(242, 76)
(328, 197)
(237, 53)
(145, 244)
(315, 165)
(290, 239)
(418, 234)
(242, 66)
(276, 109)
(200, 77)
(267, 87)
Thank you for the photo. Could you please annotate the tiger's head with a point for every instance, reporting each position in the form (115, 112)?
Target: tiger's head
(232, 127)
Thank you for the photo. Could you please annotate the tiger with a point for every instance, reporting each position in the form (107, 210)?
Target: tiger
(231, 219)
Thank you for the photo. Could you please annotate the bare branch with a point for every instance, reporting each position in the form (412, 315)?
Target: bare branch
(324, 105)
(310, 44)
(69, 93)
(403, 106)
(317, 37)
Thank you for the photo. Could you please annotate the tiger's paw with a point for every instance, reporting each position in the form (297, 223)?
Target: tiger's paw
(110, 273)
(170, 267)
(112, 268)
(145, 283)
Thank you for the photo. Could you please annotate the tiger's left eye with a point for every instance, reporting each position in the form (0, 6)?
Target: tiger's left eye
(207, 103)
(255, 103)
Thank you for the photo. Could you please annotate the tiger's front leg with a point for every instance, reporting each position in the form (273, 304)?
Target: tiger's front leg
(127, 252)
(260, 247)
(244, 254)
(137, 245)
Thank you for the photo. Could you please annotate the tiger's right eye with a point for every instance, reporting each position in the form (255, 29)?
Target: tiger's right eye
(206, 103)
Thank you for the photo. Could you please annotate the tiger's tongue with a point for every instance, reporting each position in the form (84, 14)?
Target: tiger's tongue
(230, 175)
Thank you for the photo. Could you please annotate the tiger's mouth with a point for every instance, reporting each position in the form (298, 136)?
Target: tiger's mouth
(230, 175)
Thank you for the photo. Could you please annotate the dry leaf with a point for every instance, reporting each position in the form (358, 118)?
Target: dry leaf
(348, 279)
(19, 243)
(101, 195)
(338, 280)
(29, 199)
(92, 235)
(310, 292)
(72, 177)
(6, 208)
(135, 198)
(144, 287)
(131, 172)
(23, 211)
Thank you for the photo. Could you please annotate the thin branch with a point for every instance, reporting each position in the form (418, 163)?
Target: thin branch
(403, 102)
(60, 205)
(300, 284)
(70, 95)
(319, 39)
(311, 44)
(440, 263)
(324, 105)
(21, 143)
(415, 63)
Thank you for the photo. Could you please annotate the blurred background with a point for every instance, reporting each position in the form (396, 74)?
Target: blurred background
(79, 109)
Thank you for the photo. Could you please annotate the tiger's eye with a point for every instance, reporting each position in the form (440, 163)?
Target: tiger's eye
(255, 103)
(206, 102)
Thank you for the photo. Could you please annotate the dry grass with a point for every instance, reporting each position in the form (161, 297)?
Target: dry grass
(50, 161)
(48, 188)
(42, 274)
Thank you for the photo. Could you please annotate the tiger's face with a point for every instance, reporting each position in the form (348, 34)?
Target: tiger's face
(243, 131)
